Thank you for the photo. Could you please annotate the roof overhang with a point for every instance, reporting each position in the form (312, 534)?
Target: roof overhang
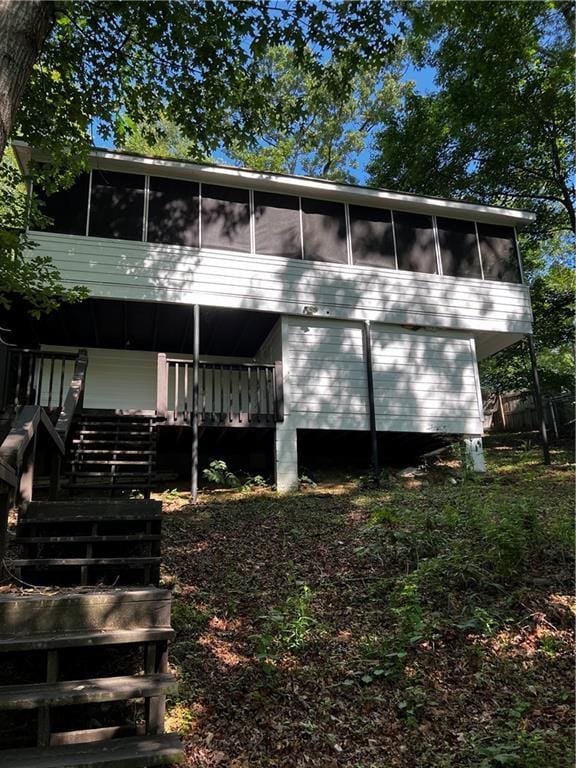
(291, 185)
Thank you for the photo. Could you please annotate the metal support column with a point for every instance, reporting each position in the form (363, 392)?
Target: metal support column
(372, 410)
(538, 400)
(195, 401)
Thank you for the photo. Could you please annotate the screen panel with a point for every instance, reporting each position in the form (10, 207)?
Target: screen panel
(415, 242)
(458, 248)
(173, 212)
(225, 218)
(372, 237)
(277, 225)
(499, 256)
(324, 225)
(68, 208)
(117, 205)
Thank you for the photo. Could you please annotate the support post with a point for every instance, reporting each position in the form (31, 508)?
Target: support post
(538, 400)
(371, 406)
(195, 400)
(475, 452)
(286, 457)
(161, 385)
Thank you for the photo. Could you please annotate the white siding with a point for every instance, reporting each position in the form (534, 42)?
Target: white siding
(119, 379)
(423, 381)
(142, 271)
(325, 375)
(271, 349)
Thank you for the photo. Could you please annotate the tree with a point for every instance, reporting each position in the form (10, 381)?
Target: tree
(311, 129)
(72, 65)
(497, 129)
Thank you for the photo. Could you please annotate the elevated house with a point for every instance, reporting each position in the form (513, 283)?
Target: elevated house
(321, 306)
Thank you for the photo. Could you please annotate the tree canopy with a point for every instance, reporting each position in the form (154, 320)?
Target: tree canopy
(497, 128)
(76, 73)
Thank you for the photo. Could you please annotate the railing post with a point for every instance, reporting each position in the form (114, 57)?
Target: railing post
(162, 385)
(279, 390)
(75, 394)
(25, 488)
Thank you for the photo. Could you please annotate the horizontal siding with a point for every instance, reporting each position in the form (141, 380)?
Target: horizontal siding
(423, 382)
(319, 357)
(119, 379)
(429, 381)
(143, 271)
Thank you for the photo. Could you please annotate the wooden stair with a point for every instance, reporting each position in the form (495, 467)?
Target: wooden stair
(112, 452)
(125, 628)
(142, 752)
(89, 542)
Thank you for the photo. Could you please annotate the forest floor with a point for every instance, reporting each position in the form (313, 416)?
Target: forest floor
(428, 623)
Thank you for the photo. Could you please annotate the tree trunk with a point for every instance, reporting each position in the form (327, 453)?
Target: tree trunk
(24, 26)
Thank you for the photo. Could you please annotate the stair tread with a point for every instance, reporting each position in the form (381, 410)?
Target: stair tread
(112, 450)
(129, 752)
(97, 510)
(43, 641)
(67, 692)
(128, 537)
(45, 561)
(110, 462)
(124, 475)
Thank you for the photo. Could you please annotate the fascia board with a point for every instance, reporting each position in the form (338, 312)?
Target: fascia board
(294, 185)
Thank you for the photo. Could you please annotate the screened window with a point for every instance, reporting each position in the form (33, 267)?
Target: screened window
(458, 248)
(173, 212)
(117, 205)
(68, 208)
(499, 257)
(225, 218)
(415, 242)
(324, 231)
(277, 225)
(372, 237)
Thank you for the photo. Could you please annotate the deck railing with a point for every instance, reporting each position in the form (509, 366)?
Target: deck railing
(36, 377)
(229, 394)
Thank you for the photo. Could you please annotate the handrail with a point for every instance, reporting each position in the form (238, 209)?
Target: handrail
(23, 431)
(17, 457)
(74, 396)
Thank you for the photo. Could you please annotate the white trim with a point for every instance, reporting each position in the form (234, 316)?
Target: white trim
(348, 232)
(87, 231)
(479, 250)
(394, 239)
(296, 185)
(145, 212)
(519, 257)
(301, 228)
(439, 266)
(252, 221)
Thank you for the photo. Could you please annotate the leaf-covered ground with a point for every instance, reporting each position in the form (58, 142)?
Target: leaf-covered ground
(427, 623)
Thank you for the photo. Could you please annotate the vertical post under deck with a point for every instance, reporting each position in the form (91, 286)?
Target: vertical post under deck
(195, 399)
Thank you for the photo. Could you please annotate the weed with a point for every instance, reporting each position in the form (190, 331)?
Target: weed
(218, 474)
(287, 628)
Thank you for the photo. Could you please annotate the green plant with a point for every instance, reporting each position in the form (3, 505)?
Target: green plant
(218, 474)
(286, 628)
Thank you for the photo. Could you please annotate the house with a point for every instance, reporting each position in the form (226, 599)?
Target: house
(322, 306)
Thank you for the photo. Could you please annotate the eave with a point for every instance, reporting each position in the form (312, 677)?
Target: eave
(291, 185)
